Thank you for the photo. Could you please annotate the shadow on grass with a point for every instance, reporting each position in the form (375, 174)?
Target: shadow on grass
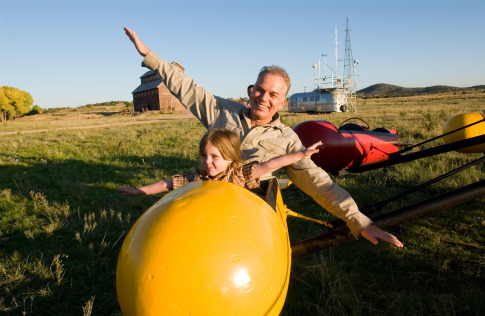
(379, 279)
(86, 185)
(57, 264)
(433, 274)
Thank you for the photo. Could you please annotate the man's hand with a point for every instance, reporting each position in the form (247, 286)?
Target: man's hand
(140, 47)
(372, 233)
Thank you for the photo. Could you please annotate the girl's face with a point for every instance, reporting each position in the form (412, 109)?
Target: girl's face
(212, 160)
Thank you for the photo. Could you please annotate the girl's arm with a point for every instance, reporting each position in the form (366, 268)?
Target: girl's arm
(157, 187)
(284, 160)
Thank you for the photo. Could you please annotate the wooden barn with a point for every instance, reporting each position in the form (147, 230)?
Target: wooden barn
(152, 94)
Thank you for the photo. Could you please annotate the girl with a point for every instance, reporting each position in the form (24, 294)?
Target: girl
(220, 157)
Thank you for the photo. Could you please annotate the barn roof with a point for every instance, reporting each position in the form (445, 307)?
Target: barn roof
(148, 86)
(148, 73)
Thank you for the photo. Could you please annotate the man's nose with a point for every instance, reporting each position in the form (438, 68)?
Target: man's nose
(264, 96)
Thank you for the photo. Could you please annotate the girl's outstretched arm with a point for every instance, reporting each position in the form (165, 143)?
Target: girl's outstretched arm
(284, 160)
(157, 187)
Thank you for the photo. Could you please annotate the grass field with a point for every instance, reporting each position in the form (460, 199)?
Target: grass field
(62, 220)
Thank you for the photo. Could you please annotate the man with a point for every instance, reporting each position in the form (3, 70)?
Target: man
(263, 136)
(250, 92)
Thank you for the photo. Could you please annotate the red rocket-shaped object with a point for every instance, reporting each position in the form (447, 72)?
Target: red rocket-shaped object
(349, 145)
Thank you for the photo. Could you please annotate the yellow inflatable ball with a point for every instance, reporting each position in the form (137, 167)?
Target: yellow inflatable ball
(462, 120)
(207, 248)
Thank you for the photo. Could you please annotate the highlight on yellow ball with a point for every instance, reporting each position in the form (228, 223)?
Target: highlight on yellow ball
(462, 120)
(207, 248)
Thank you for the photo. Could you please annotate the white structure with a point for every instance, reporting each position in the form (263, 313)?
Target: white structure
(331, 94)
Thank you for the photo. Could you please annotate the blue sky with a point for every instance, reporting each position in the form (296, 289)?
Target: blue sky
(72, 53)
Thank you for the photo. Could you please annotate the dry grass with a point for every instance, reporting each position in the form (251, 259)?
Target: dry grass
(59, 244)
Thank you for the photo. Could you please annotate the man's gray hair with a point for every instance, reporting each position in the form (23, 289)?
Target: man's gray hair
(279, 71)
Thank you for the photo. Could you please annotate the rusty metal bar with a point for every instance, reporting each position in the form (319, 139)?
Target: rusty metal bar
(395, 217)
(379, 205)
(395, 159)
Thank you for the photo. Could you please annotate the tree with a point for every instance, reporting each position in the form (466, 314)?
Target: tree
(6, 108)
(14, 102)
(35, 110)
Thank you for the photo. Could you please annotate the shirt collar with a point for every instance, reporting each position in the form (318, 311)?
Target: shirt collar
(275, 123)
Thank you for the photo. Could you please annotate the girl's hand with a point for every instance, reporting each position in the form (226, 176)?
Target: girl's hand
(307, 152)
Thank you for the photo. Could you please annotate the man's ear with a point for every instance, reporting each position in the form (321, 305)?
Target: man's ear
(283, 103)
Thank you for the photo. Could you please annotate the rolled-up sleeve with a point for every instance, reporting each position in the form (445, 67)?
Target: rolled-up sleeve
(247, 172)
(315, 182)
(179, 180)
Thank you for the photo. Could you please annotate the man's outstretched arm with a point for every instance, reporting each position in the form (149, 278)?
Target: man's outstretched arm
(140, 47)
(372, 233)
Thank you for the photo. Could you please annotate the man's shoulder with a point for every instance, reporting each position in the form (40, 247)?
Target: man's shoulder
(230, 105)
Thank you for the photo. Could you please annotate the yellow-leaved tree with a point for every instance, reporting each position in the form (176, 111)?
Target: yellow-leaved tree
(14, 102)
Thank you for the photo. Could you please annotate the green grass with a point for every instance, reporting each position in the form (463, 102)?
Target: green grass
(62, 220)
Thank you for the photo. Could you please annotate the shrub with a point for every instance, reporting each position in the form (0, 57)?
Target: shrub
(35, 110)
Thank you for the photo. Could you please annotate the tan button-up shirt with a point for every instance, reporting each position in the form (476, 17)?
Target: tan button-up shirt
(260, 143)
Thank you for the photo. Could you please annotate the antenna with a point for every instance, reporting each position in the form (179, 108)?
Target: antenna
(319, 74)
(315, 75)
(349, 72)
(325, 56)
(336, 63)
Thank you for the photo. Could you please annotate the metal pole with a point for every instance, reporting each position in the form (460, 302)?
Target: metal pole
(397, 159)
(392, 218)
(379, 205)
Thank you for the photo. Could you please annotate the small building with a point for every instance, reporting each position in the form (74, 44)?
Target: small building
(319, 101)
(152, 94)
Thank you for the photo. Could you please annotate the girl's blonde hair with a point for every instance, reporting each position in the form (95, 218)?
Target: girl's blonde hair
(226, 141)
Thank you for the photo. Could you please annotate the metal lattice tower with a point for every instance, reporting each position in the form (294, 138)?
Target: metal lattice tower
(349, 73)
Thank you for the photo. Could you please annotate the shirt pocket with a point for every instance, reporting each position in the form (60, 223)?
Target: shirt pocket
(271, 148)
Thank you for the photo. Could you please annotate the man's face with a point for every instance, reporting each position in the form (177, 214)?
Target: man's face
(268, 97)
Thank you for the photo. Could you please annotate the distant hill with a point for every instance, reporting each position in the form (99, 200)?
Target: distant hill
(382, 90)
